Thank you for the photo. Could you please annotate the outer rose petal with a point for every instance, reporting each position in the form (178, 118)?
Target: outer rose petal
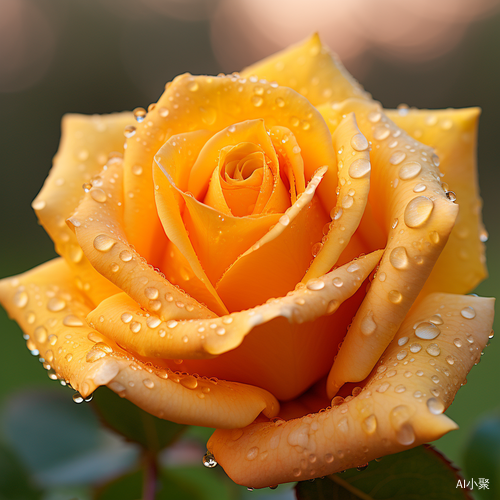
(98, 225)
(311, 69)
(418, 224)
(214, 103)
(86, 143)
(353, 162)
(51, 310)
(400, 406)
(453, 134)
(120, 319)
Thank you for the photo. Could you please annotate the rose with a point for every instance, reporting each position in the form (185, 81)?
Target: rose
(183, 254)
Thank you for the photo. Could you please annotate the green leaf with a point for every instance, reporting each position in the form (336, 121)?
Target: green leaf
(134, 424)
(482, 458)
(14, 481)
(179, 483)
(419, 473)
(61, 443)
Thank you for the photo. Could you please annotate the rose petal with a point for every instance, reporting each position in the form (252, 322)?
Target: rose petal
(311, 69)
(51, 310)
(400, 407)
(120, 319)
(417, 225)
(453, 134)
(86, 143)
(203, 102)
(353, 162)
(277, 262)
(227, 237)
(296, 349)
(98, 228)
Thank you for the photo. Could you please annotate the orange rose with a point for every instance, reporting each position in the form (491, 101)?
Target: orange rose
(210, 272)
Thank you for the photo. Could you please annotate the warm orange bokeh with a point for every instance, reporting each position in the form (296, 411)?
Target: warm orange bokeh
(266, 242)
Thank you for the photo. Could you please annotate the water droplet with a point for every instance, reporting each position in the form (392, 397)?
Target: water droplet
(409, 170)
(414, 348)
(40, 334)
(368, 325)
(418, 211)
(402, 341)
(139, 114)
(135, 326)
(316, 248)
(257, 100)
(427, 331)
(77, 398)
(280, 102)
(347, 201)
(483, 235)
(383, 387)
(127, 317)
(20, 299)
(433, 350)
(457, 342)
(98, 195)
(209, 461)
(400, 388)
(336, 213)
(56, 304)
(72, 320)
(451, 196)
(315, 284)
(401, 355)
(137, 170)
(103, 243)
(38, 205)
(381, 132)
(189, 382)
(397, 157)
(148, 383)
(435, 406)
(370, 424)
(374, 116)
(153, 322)
(193, 86)
(419, 188)
(359, 168)
(129, 131)
(252, 453)
(435, 160)
(395, 297)
(468, 312)
(337, 282)
(284, 220)
(126, 256)
(53, 339)
(151, 293)
(399, 258)
(296, 150)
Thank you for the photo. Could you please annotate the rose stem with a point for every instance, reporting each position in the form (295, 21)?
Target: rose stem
(150, 477)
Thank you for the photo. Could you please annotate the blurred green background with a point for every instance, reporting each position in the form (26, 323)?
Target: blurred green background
(59, 56)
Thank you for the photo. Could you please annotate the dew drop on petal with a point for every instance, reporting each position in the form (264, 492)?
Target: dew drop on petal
(359, 168)
(435, 406)
(427, 331)
(418, 211)
(103, 243)
(468, 312)
(433, 350)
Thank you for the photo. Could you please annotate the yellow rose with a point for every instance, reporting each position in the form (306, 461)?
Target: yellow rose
(236, 237)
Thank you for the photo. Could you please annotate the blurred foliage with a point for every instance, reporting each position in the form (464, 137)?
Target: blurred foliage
(420, 473)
